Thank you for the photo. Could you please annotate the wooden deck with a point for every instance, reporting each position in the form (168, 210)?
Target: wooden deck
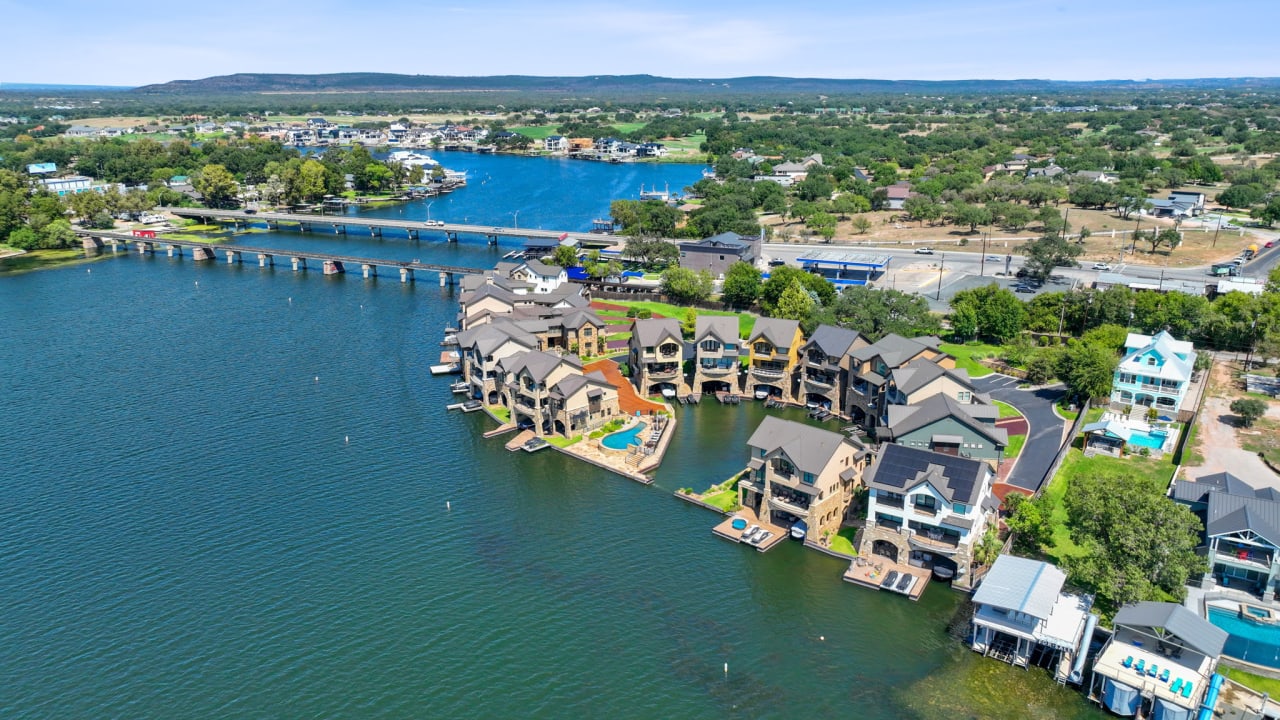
(726, 530)
(873, 574)
(519, 440)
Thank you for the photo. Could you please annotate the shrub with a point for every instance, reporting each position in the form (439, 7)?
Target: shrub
(644, 314)
(632, 312)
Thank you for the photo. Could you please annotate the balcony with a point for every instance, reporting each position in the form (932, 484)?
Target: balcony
(930, 510)
(1243, 556)
(718, 369)
(801, 511)
(523, 406)
(889, 502)
(662, 371)
(826, 382)
(935, 541)
(769, 371)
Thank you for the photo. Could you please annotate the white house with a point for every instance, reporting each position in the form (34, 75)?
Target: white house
(1155, 372)
(555, 143)
(544, 278)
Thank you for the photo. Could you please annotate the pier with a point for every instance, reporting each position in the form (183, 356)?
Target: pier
(339, 224)
(95, 240)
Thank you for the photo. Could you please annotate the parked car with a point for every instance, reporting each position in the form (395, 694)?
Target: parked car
(1101, 266)
(1023, 288)
(1269, 243)
(1022, 272)
(993, 258)
(777, 263)
(924, 251)
(250, 211)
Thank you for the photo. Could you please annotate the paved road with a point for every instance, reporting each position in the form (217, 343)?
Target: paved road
(1044, 436)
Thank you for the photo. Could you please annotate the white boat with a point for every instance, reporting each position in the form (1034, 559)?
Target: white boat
(799, 530)
(668, 392)
(762, 394)
(449, 369)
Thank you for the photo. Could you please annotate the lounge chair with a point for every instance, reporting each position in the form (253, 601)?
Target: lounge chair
(1128, 662)
(1164, 675)
(1151, 670)
(1186, 689)
(1177, 686)
(1141, 667)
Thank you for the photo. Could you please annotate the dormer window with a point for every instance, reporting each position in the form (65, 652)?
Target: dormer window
(1151, 361)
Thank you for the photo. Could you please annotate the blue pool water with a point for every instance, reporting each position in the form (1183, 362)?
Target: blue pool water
(621, 439)
(1153, 439)
(1249, 640)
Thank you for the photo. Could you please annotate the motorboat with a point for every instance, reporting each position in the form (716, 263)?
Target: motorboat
(761, 537)
(799, 529)
(943, 573)
(905, 583)
(750, 533)
(446, 369)
(668, 392)
(890, 580)
(762, 394)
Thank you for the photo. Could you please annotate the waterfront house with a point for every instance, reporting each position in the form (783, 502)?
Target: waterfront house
(824, 375)
(1241, 531)
(927, 509)
(555, 144)
(1155, 372)
(542, 278)
(651, 149)
(655, 354)
(944, 425)
(1021, 616)
(774, 347)
(718, 252)
(540, 390)
(717, 349)
(1158, 662)
(485, 298)
(925, 377)
(871, 366)
(798, 472)
(482, 347)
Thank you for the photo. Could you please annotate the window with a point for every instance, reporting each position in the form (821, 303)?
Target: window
(960, 508)
(710, 345)
(764, 348)
(808, 478)
(963, 396)
(1151, 361)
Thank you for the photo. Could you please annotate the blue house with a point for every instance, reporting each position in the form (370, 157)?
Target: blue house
(1155, 372)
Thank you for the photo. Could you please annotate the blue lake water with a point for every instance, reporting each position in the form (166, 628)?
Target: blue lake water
(234, 492)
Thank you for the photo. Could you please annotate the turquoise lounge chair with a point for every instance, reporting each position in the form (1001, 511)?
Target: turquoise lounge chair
(1141, 667)
(1186, 690)
(1151, 671)
(1164, 675)
(1128, 662)
(1177, 686)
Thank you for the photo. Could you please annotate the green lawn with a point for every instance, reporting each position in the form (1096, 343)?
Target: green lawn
(1257, 683)
(537, 132)
(1156, 472)
(726, 500)
(1015, 446)
(746, 321)
(842, 542)
(689, 142)
(561, 442)
(967, 356)
(624, 128)
(501, 413)
(1006, 410)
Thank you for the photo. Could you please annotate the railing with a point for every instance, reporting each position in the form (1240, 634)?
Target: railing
(819, 381)
(1232, 555)
(930, 510)
(781, 504)
(664, 371)
(891, 502)
(943, 541)
(894, 525)
(717, 369)
(768, 371)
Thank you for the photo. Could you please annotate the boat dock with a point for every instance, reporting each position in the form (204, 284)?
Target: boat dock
(747, 517)
(873, 572)
(466, 407)
(500, 430)
(521, 438)
(728, 398)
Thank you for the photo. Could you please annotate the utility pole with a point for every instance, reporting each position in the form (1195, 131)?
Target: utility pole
(942, 264)
(1136, 229)
(1062, 315)
(1216, 230)
(982, 265)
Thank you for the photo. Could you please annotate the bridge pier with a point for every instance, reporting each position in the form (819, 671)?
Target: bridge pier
(493, 239)
(333, 267)
(406, 274)
(339, 229)
(375, 232)
(369, 270)
(304, 227)
(451, 236)
(413, 234)
(171, 248)
(233, 256)
(115, 245)
(444, 279)
(146, 248)
(201, 253)
(264, 260)
(92, 246)
(299, 261)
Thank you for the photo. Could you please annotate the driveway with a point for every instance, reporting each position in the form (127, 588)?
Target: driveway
(1044, 438)
(1220, 447)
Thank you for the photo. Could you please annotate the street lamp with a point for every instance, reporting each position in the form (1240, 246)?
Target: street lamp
(942, 263)
(516, 219)
(433, 202)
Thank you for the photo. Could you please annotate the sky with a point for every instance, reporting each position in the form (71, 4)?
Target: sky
(110, 42)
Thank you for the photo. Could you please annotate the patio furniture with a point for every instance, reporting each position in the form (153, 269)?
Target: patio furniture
(1151, 670)
(1186, 690)
(1164, 675)
(1141, 667)
(1128, 662)
(1177, 686)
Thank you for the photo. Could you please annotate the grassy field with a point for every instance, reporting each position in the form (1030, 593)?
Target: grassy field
(502, 414)
(1015, 446)
(1006, 410)
(624, 128)
(842, 542)
(561, 442)
(537, 132)
(1257, 683)
(40, 259)
(746, 321)
(1265, 442)
(967, 356)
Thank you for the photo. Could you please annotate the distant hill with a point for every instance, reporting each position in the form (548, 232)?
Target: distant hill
(26, 87)
(654, 85)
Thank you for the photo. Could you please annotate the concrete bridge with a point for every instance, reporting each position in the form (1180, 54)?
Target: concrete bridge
(341, 223)
(95, 241)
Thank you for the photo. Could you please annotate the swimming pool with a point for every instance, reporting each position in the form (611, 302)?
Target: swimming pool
(621, 439)
(1153, 439)
(1247, 639)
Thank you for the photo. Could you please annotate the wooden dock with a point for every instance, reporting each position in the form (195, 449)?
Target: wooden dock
(500, 430)
(520, 439)
(872, 571)
(726, 530)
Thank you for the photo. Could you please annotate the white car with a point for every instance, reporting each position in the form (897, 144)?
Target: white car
(1101, 266)
(924, 251)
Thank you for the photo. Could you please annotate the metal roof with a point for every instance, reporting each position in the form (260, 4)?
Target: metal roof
(1027, 586)
(1195, 632)
(836, 257)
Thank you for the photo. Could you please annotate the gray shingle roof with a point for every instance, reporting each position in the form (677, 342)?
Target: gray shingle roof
(809, 448)
(1234, 513)
(491, 336)
(728, 240)
(894, 350)
(898, 468)
(920, 372)
(777, 331)
(1027, 586)
(720, 327)
(650, 332)
(543, 269)
(906, 418)
(1197, 491)
(1194, 631)
(538, 364)
(833, 340)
